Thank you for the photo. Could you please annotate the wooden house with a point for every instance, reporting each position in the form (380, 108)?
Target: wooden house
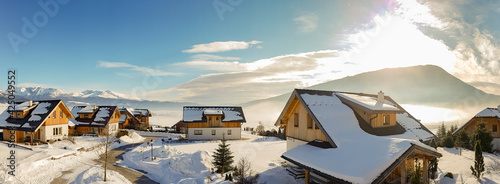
(36, 121)
(339, 137)
(128, 120)
(203, 122)
(489, 116)
(180, 127)
(143, 116)
(97, 120)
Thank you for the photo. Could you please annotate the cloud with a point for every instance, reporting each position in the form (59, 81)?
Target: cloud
(242, 82)
(205, 57)
(468, 28)
(306, 23)
(221, 46)
(140, 69)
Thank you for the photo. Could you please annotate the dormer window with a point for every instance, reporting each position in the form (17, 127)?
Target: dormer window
(387, 120)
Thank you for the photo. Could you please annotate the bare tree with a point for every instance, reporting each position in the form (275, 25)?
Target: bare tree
(260, 129)
(244, 173)
(106, 140)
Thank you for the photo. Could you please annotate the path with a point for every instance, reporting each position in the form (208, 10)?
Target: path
(131, 175)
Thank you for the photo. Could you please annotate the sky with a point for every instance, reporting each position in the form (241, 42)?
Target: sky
(240, 50)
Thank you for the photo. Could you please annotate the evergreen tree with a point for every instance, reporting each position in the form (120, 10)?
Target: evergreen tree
(416, 173)
(223, 157)
(462, 141)
(484, 137)
(433, 143)
(478, 167)
(447, 141)
(441, 131)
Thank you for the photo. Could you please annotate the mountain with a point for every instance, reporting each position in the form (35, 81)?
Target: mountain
(102, 94)
(423, 85)
(427, 85)
(39, 93)
(90, 97)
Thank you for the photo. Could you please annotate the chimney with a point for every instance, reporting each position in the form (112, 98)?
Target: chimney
(498, 108)
(381, 97)
(30, 103)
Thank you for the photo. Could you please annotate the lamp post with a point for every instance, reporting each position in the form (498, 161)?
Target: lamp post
(151, 149)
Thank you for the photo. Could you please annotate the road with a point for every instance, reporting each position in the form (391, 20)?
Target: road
(133, 176)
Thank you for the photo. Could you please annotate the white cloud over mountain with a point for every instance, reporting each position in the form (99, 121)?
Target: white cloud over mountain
(142, 70)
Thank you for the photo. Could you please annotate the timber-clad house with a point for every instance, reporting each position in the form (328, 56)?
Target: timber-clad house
(36, 121)
(97, 120)
(213, 122)
(340, 137)
(491, 118)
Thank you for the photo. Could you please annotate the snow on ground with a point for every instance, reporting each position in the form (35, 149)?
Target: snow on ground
(459, 166)
(95, 175)
(191, 162)
(49, 161)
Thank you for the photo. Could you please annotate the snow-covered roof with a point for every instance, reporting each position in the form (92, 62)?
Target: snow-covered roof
(229, 114)
(99, 119)
(356, 156)
(488, 112)
(35, 117)
(87, 109)
(369, 102)
(212, 112)
(25, 105)
(485, 113)
(137, 112)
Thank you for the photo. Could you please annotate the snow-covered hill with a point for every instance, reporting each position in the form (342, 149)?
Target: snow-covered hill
(103, 94)
(40, 93)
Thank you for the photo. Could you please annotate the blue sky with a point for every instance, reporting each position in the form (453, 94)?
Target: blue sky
(208, 50)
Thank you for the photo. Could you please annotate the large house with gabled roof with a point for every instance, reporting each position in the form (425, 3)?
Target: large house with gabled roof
(97, 120)
(340, 137)
(213, 122)
(491, 118)
(35, 121)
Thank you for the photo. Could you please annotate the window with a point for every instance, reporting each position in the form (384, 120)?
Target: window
(214, 132)
(217, 118)
(60, 114)
(57, 131)
(86, 116)
(198, 132)
(54, 114)
(228, 132)
(18, 114)
(296, 120)
(495, 128)
(309, 122)
(387, 120)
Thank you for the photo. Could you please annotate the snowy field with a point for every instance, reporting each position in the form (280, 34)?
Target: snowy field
(191, 162)
(459, 166)
(50, 161)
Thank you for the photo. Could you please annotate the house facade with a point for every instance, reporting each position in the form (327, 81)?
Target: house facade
(143, 116)
(489, 116)
(210, 123)
(97, 120)
(129, 121)
(36, 121)
(339, 137)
